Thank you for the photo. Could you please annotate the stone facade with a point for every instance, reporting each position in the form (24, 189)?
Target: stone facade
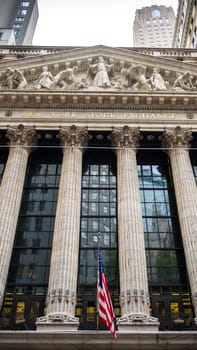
(73, 93)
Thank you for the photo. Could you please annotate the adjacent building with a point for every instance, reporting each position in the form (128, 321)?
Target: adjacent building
(185, 34)
(20, 17)
(153, 26)
(98, 139)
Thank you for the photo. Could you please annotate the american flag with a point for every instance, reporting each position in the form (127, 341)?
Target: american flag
(105, 307)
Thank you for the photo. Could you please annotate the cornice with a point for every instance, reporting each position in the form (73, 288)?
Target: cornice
(146, 56)
(83, 100)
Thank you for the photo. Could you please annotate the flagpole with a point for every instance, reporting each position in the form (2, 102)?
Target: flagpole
(97, 311)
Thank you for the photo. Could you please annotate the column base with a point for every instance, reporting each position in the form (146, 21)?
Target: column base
(137, 322)
(57, 322)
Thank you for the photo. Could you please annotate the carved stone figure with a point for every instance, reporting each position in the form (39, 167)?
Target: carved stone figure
(136, 73)
(98, 73)
(65, 78)
(45, 79)
(13, 79)
(183, 82)
(157, 81)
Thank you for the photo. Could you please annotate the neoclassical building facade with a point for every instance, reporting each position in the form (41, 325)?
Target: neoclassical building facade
(98, 140)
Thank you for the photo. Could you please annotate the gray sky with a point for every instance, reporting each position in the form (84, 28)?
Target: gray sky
(89, 22)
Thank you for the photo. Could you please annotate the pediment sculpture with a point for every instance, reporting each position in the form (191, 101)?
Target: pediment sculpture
(101, 73)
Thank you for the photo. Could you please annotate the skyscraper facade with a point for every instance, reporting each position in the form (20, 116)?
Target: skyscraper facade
(153, 26)
(185, 34)
(21, 16)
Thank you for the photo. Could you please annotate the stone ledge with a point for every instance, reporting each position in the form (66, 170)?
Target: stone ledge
(98, 340)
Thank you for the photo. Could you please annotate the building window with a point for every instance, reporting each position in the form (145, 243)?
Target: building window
(17, 33)
(98, 213)
(164, 251)
(17, 25)
(29, 268)
(155, 13)
(19, 19)
(22, 12)
(25, 3)
(3, 159)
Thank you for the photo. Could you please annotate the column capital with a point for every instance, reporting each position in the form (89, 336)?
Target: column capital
(176, 138)
(125, 137)
(73, 136)
(22, 136)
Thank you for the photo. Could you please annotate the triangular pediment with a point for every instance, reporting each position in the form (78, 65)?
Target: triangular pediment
(97, 68)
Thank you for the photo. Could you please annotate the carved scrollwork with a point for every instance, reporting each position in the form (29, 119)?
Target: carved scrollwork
(176, 138)
(73, 136)
(136, 318)
(125, 137)
(22, 136)
(57, 317)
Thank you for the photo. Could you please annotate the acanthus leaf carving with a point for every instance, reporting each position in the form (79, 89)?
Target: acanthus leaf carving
(125, 137)
(73, 136)
(176, 138)
(22, 136)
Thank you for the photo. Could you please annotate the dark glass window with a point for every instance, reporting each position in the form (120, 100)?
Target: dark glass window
(193, 156)
(166, 265)
(98, 214)
(29, 267)
(3, 159)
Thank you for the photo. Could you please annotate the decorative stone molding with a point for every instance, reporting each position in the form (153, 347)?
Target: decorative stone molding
(176, 138)
(73, 136)
(142, 318)
(59, 296)
(134, 296)
(136, 322)
(57, 321)
(57, 317)
(96, 73)
(88, 100)
(125, 137)
(22, 136)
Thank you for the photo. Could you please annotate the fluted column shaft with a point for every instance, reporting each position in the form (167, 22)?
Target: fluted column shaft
(11, 189)
(177, 140)
(134, 294)
(64, 260)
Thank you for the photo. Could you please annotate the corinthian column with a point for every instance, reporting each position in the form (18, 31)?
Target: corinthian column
(64, 260)
(177, 141)
(134, 296)
(21, 139)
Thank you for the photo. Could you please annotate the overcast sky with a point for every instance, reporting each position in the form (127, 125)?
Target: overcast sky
(89, 22)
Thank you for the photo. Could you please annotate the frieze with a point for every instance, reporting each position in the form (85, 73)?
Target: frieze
(55, 116)
(95, 115)
(98, 74)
